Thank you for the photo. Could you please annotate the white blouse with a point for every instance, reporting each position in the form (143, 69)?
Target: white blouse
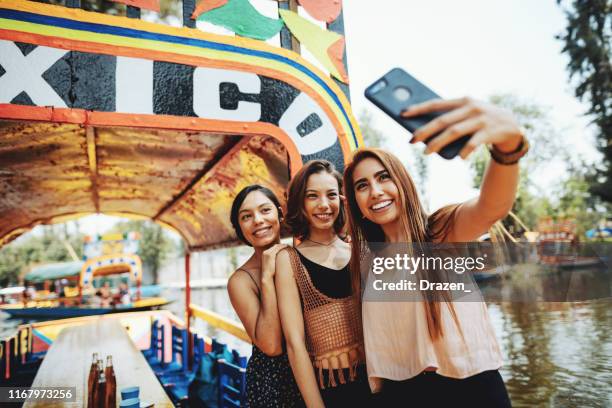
(398, 345)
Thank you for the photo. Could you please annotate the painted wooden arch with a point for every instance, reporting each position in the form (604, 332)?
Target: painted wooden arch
(93, 86)
(111, 265)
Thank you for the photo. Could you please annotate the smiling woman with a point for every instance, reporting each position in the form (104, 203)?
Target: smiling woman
(319, 311)
(256, 215)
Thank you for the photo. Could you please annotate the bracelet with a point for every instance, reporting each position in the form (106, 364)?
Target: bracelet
(510, 158)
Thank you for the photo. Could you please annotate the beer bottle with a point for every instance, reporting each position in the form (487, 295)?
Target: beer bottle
(99, 398)
(110, 399)
(92, 380)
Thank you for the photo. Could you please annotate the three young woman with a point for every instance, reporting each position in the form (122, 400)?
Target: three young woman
(433, 351)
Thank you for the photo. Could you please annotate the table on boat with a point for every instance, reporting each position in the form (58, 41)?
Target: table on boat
(68, 360)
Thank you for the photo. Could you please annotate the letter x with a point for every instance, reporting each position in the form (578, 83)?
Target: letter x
(24, 73)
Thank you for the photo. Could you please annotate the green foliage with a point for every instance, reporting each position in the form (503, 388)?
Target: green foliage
(11, 264)
(18, 257)
(372, 137)
(154, 246)
(587, 42)
(572, 197)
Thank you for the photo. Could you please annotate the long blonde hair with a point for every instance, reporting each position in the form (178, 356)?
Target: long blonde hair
(419, 227)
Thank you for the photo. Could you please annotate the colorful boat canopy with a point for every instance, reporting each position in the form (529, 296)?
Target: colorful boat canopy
(50, 272)
(111, 265)
(105, 114)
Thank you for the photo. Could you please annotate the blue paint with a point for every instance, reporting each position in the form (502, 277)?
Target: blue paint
(130, 32)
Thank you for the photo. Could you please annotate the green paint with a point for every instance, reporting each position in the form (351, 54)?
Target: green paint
(242, 18)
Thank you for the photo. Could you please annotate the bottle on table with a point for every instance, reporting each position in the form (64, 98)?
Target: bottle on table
(110, 398)
(101, 388)
(92, 381)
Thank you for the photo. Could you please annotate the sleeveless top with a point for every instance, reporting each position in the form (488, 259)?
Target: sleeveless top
(398, 345)
(332, 328)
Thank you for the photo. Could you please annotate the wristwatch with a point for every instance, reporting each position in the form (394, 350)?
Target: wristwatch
(509, 158)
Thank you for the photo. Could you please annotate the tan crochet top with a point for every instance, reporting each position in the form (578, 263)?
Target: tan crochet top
(334, 336)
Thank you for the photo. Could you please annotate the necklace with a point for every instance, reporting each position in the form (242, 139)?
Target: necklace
(322, 243)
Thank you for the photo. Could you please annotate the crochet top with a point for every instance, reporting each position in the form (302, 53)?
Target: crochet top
(334, 337)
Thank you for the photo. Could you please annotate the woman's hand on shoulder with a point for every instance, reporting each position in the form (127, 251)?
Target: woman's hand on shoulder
(268, 260)
(487, 123)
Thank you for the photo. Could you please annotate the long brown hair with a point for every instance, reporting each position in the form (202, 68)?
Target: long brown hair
(419, 227)
(296, 220)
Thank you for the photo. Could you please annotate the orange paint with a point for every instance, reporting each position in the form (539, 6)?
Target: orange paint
(207, 5)
(96, 48)
(102, 119)
(336, 54)
(143, 4)
(322, 10)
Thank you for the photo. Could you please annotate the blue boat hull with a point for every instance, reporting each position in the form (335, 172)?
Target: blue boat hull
(45, 313)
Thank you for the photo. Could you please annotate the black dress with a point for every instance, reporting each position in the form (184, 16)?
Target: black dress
(269, 380)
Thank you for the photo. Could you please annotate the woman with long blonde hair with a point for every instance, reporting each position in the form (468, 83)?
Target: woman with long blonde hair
(432, 350)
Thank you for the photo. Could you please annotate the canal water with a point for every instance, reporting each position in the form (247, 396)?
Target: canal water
(555, 354)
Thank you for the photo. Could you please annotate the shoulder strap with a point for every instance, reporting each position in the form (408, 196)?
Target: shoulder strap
(253, 279)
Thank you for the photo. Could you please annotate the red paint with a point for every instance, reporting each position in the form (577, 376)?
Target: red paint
(207, 5)
(143, 4)
(322, 10)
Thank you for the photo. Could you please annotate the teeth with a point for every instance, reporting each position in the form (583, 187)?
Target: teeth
(323, 216)
(261, 232)
(382, 204)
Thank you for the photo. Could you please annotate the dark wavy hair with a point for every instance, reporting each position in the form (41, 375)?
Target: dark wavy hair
(296, 220)
(240, 197)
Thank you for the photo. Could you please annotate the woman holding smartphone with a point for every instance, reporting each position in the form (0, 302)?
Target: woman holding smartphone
(320, 313)
(434, 351)
(256, 216)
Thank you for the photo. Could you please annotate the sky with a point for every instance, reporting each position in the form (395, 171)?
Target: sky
(471, 48)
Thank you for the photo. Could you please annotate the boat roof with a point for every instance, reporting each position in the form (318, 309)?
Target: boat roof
(156, 122)
(54, 271)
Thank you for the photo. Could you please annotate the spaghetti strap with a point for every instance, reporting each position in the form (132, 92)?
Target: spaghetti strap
(253, 279)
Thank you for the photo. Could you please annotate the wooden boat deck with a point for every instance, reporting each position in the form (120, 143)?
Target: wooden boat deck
(68, 360)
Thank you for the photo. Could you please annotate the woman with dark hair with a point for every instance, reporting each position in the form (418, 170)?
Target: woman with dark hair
(432, 349)
(256, 216)
(320, 314)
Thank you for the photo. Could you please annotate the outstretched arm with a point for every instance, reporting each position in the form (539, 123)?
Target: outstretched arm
(490, 125)
(292, 321)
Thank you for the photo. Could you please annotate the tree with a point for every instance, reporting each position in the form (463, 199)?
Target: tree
(154, 245)
(587, 40)
(372, 137)
(529, 206)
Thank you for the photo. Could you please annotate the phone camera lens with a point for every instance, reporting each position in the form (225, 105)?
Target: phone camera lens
(401, 94)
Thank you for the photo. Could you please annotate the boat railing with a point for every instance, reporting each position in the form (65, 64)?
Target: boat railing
(220, 322)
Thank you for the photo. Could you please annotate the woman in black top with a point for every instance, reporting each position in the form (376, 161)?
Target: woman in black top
(315, 214)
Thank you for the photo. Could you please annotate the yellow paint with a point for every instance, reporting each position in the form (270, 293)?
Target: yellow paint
(221, 322)
(206, 53)
(314, 38)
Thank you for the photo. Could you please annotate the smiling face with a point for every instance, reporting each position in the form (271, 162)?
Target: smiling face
(321, 201)
(376, 194)
(259, 220)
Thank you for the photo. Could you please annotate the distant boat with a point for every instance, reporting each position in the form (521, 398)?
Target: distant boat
(78, 277)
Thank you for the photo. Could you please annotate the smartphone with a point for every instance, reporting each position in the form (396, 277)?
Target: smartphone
(396, 91)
